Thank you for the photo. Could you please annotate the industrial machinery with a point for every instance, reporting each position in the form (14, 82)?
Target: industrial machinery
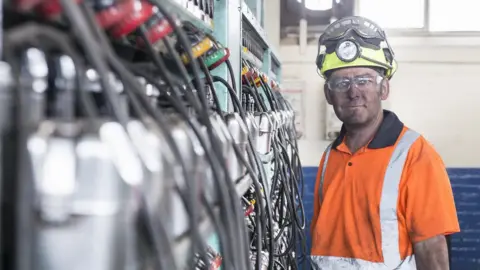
(118, 153)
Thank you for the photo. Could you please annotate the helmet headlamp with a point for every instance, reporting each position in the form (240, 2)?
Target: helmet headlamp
(347, 50)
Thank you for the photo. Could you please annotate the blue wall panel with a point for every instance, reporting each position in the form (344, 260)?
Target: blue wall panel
(466, 189)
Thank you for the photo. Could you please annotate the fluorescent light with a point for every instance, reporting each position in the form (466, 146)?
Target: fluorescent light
(317, 4)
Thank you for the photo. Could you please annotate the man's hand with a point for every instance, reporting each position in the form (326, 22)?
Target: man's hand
(432, 254)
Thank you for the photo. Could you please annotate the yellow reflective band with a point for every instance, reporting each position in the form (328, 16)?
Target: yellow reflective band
(332, 61)
(198, 50)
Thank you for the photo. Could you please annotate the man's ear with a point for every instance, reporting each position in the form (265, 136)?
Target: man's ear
(328, 96)
(385, 90)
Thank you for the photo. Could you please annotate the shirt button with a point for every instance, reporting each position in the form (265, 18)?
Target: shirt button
(349, 163)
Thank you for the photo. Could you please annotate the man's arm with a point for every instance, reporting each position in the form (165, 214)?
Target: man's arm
(429, 205)
(432, 254)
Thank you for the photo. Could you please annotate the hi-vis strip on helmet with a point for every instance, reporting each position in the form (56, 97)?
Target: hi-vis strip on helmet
(354, 42)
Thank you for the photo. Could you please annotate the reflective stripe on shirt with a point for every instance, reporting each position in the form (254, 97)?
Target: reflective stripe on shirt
(388, 217)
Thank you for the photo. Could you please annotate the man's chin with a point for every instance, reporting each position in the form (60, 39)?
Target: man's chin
(355, 120)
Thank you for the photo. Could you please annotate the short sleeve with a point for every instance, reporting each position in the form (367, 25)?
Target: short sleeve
(429, 206)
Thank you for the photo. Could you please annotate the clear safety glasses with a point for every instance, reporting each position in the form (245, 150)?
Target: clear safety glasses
(362, 83)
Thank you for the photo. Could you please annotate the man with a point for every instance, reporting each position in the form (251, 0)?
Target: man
(383, 199)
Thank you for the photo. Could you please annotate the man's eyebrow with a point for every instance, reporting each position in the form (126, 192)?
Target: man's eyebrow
(356, 76)
(365, 74)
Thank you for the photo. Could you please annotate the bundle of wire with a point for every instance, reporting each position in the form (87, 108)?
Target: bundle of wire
(286, 191)
(186, 95)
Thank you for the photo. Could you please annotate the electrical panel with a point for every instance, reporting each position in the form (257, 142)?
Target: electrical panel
(135, 137)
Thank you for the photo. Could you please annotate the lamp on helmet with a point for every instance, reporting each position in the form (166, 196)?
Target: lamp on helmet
(354, 42)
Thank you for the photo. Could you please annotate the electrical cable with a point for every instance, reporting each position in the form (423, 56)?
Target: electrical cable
(258, 189)
(237, 151)
(92, 52)
(274, 104)
(295, 166)
(209, 81)
(231, 189)
(221, 188)
(132, 84)
(177, 105)
(162, 66)
(16, 39)
(294, 193)
(50, 38)
(196, 72)
(261, 107)
(236, 103)
(184, 83)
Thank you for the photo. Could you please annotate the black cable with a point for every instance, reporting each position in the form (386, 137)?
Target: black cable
(15, 40)
(48, 38)
(257, 186)
(220, 185)
(297, 228)
(287, 182)
(261, 107)
(228, 254)
(131, 84)
(237, 103)
(232, 191)
(93, 53)
(232, 76)
(209, 81)
(159, 239)
(182, 38)
(211, 156)
(250, 87)
(274, 103)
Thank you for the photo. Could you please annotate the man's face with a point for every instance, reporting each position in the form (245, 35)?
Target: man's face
(356, 94)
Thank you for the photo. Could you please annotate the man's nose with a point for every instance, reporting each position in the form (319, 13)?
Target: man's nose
(353, 91)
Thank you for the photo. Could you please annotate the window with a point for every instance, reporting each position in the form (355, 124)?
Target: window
(451, 16)
(394, 14)
(317, 4)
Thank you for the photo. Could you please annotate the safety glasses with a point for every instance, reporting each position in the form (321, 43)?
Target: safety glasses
(362, 83)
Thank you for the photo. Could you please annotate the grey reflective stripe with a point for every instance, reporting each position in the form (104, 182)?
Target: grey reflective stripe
(389, 199)
(339, 263)
(324, 169)
(388, 210)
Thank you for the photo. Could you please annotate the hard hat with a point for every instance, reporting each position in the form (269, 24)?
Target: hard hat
(354, 42)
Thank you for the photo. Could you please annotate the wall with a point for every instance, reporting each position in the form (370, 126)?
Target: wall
(436, 91)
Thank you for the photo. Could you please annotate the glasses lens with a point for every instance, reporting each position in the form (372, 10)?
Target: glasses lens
(362, 83)
(339, 84)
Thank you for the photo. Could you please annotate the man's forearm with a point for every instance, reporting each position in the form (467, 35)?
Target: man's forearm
(432, 254)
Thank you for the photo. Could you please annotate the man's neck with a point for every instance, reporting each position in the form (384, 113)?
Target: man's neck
(358, 136)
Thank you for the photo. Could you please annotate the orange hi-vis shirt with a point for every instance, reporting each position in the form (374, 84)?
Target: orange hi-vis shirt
(370, 207)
